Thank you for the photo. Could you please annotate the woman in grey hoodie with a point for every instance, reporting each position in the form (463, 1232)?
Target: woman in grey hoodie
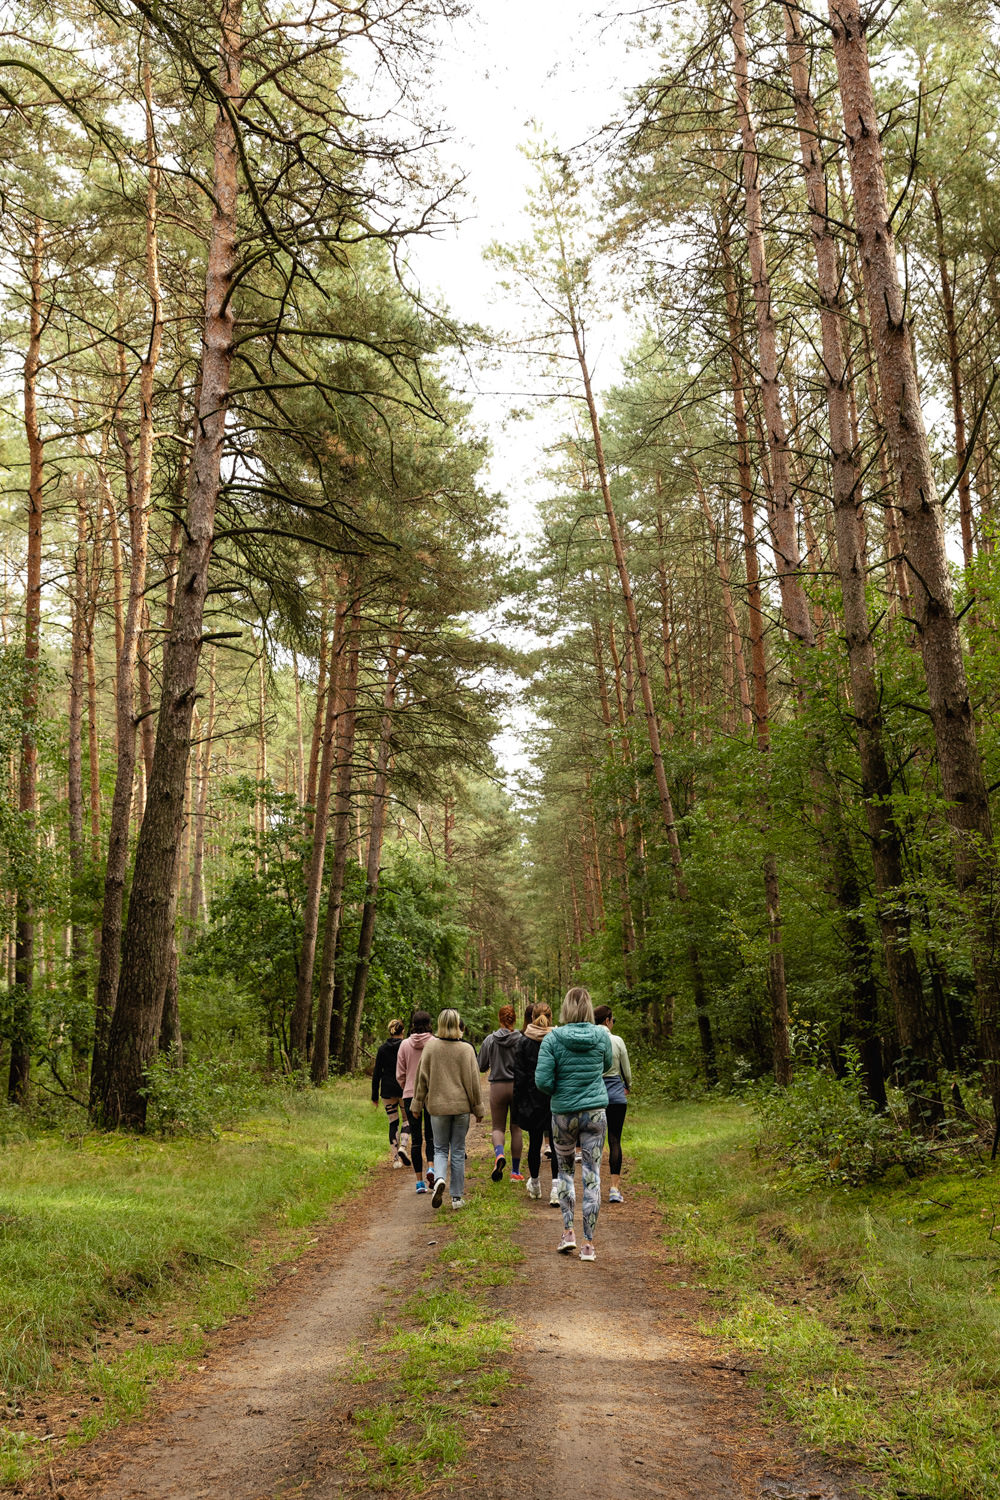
(496, 1056)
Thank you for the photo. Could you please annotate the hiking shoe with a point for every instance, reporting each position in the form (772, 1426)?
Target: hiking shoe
(533, 1188)
(567, 1243)
(615, 1196)
(588, 1253)
(498, 1166)
(437, 1197)
(396, 1163)
(554, 1197)
(421, 1185)
(429, 1174)
(517, 1176)
(458, 1203)
(404, 1156)
(579, 1156)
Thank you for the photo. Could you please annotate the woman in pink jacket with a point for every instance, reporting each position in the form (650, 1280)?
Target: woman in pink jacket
(407, 1064)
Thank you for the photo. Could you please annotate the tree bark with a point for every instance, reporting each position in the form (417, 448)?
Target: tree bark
(960, 764)
(128, 635)
(366, 936)
(147, 942)
(27, 782)
(913, 1023)
(329, 1020)
(200, 811)
(652, 722)
(301, 1017)
(794, 604)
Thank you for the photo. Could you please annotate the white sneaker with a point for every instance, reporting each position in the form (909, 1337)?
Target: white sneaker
(458, 1202)
(554, 1197)
(437, 1197)
(533, 1187)
(567, 1243)
(396, 1164)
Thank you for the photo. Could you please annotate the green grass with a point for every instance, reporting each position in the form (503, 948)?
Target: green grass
(874, 1313)
(105, 1234)
(435, 1367)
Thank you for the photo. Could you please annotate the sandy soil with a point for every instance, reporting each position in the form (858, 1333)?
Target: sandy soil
(615, 1392)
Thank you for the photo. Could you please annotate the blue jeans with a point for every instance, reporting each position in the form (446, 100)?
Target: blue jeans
(449, 1140)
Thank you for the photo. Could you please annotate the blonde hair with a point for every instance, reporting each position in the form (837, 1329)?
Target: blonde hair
(576, 1006)
(449, 1025)
(541, 1015)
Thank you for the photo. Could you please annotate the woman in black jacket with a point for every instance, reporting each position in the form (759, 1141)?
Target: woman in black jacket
(384, 1083)
(531, 1109)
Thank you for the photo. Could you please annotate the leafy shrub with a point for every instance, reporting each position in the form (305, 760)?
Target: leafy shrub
(201, 1097)
(825, 1130)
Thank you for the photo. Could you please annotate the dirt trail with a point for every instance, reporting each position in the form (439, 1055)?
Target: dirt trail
(620, 1395)
(615, 1393)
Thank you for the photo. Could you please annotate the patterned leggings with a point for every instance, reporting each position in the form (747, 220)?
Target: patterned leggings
(586, 1129)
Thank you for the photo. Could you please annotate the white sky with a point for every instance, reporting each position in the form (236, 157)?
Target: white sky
(511, 69)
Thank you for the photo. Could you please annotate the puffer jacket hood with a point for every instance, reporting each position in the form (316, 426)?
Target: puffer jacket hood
(571, 1063)
(408, 1061)
(497, 1055)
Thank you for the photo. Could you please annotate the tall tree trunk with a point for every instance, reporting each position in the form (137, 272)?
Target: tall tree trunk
(27, 781)
(777, 985)
(301, 1019)
(147, 943)
(329, 1010)
(913, 1023)
(646, 691)
(74, 759)
(128, 636)
(318, 715)
(786, 546)
(380, 798)
(961, 769)
(200, 811)
(955, 373)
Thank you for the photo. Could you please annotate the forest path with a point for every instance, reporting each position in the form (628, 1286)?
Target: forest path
(618, 1394)
(614, 1392)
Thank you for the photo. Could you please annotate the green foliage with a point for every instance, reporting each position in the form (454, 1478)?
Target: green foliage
(870, 1313)
(202, 1098)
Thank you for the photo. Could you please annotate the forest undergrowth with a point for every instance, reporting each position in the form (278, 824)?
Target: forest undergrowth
(870, 1313)
(119, 1254)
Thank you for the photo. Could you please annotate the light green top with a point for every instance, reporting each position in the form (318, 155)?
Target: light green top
(620, 1063)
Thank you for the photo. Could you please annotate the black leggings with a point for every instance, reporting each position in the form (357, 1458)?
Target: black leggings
(616, 1123)
(416, 1155)
(536, 1136)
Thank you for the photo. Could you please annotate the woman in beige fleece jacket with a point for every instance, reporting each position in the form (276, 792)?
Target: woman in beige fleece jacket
(448, 1088)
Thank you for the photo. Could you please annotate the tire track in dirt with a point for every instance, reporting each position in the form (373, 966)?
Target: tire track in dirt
(614, 1391)
(251, 1421)
(618, 1394)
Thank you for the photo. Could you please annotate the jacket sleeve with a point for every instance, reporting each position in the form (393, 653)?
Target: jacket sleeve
(473, 1087)
(377, 1074)
(485, 1053)
(545, 1068)
(625, 1065)
(609, 1051)
(401, 1057)
(420, 1087)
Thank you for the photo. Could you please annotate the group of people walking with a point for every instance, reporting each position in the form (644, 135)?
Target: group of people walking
(566, 1084)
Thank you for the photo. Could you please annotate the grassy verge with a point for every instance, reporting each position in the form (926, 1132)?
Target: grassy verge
(874, 1313)
(434, 1366)
(118, 1254)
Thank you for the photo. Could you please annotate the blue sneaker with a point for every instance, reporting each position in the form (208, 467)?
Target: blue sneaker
(421, 1185)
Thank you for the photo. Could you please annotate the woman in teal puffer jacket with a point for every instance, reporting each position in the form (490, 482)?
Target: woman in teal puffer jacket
(572, 1061)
